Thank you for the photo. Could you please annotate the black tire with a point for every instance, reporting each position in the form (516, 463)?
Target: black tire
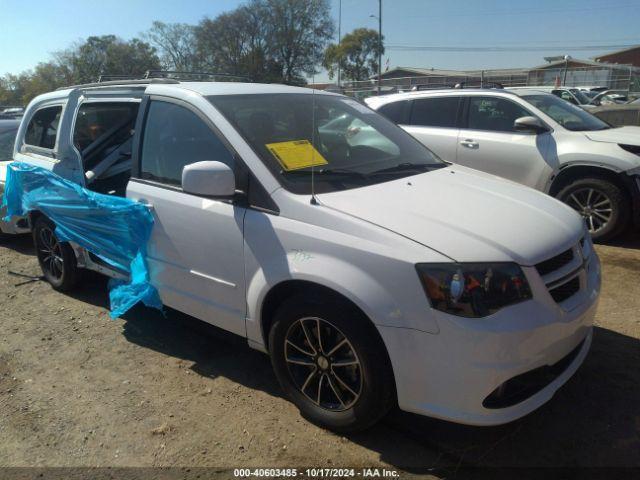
(338, 409)
(57, 259)
(603, 204)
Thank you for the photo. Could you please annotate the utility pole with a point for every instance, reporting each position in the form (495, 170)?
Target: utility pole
(339, 36)
(379, 45)
(566, 67)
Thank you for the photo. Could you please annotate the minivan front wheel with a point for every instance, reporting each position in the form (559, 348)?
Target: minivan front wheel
(330, 364)
(602, 204)
(57, 259)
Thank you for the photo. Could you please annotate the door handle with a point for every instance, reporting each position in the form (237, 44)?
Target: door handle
(469, 143)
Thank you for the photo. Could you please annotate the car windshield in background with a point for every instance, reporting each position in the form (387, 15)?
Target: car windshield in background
(342, 145)
(582, 98)
(568, 115)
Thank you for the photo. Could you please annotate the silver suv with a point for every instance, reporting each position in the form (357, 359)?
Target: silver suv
(533, 138)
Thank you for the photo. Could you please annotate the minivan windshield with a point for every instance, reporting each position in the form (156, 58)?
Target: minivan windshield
(334, 141)
(569, 116)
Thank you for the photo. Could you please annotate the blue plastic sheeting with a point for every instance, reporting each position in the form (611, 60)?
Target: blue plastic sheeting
(115, 229)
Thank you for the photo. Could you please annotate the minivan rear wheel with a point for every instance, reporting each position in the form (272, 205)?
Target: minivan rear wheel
(331, 364)
(602, 204)
(57, 259)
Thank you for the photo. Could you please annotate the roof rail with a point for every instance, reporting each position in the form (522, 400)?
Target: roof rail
(120, 83)
(480, 84)
(108, 78)
(430, 86)
(193, 76)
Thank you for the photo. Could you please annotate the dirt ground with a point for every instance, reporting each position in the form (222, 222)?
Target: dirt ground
(80, 389)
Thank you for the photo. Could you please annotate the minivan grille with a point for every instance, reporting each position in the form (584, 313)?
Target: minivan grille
(555, 263)
(566, 290)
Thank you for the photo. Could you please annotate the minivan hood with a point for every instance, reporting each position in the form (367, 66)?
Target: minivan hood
(628, 135)
(466, 215)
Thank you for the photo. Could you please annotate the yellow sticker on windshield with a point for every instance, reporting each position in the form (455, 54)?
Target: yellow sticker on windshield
(296, 154)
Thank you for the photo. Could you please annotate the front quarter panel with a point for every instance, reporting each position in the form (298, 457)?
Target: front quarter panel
(380, 278)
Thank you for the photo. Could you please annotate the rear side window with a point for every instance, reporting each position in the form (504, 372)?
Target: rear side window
(174, 136)
(98, 121)
(394, 111)
(494, 114)
(435, 112)
(43, 127)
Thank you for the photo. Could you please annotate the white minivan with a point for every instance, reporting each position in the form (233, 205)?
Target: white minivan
(372, 272)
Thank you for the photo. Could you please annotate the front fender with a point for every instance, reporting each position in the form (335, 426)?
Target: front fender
(345, 278)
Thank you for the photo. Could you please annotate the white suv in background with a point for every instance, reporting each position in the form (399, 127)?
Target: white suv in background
(533, 138)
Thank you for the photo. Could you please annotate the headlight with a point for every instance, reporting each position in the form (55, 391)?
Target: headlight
(473, 289)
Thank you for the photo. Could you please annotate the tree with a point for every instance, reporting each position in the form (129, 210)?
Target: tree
(298, 31)
(108, 55)
(356, 55)
(176, 44)
(83, 63)
(267, 40)
(236, 42)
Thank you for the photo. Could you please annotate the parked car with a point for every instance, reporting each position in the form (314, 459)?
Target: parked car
(620, 115)
(8, 132)
(570, 94)
(609, 97)
(535, 139)
(371, 272)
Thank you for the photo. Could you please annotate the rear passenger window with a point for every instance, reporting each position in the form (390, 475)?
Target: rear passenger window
(494, 114)
(174, 136)
(98, 121)
(394, 111)
(435, 112)
(43, 127)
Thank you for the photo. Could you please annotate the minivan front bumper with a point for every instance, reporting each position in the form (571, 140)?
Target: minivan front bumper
(494, 370)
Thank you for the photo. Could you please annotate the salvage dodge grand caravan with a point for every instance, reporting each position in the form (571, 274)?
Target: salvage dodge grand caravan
(371, 271)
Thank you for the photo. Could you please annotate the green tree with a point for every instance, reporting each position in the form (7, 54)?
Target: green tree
(298, 32)
(267, 40)
(236, 42)
(356, 55)
(108, 55)
(175, 43)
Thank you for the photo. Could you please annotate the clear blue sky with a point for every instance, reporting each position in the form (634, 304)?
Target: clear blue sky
(32, 29)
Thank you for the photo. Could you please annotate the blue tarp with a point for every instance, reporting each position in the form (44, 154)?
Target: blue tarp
(115, 229)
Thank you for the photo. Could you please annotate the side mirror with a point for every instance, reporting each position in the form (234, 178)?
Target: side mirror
(529, 125)
(211, 179)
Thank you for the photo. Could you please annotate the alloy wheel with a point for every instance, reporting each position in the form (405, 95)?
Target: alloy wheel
(594, 205)
(323, 364)
(50, 252)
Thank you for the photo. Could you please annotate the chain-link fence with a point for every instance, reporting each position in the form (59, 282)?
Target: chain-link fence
(621, 78)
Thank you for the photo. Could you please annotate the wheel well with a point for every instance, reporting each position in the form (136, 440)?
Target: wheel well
(33, 216)
(570, 174)
(289, 288)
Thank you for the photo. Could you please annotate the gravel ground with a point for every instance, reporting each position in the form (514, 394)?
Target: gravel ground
(80, 389)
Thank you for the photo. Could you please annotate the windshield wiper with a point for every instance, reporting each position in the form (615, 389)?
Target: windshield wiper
(408, 166)
(344, 172)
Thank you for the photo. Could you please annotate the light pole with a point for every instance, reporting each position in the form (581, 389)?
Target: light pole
(339, 35)
(566, 67)
(379, 43)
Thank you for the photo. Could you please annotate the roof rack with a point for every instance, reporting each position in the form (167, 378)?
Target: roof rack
(120, 82)
(160, 76)
(430, 86)
(194, 76)
(481, 84)
(438, 86)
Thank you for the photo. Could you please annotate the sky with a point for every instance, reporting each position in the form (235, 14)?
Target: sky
(33, 29)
